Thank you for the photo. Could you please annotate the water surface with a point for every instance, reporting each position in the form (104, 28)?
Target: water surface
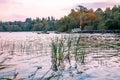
(22, 53)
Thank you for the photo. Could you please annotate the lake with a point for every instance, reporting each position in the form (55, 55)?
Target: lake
(27, 56)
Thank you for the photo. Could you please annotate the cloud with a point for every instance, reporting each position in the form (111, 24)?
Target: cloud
(94, 4)
(6, 4)
(3, 1)
(101, 5)
(18, 16)
(20, 9)
(13, 17)
(9, 2)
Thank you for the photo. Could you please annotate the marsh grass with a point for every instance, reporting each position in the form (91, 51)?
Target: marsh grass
(57, 54)
(54, 56)
(65, 50)
(69, 45)
(9, 49)
(76, 51)
(82, 56)
(23, 46)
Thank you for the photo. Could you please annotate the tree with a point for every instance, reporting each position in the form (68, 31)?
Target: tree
(1, 28)
(37, 27)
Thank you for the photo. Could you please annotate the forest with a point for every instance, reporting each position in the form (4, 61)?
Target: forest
(80, 17)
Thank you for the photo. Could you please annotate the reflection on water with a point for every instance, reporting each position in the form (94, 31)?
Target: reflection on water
(24, 53)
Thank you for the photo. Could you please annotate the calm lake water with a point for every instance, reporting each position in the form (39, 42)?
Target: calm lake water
(22, 53)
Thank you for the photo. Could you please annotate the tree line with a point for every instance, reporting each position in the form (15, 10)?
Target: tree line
(37, 24)
(80, 17)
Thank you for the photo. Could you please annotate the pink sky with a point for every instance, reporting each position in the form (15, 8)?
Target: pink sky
(11, 10)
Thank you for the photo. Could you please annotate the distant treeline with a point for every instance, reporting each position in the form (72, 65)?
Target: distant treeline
(99, 31)
(80, 17)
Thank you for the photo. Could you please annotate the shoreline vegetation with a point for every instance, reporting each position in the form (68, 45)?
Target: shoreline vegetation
(81, 31)
(80, 17)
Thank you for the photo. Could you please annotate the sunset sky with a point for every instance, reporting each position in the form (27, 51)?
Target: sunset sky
(11, 10)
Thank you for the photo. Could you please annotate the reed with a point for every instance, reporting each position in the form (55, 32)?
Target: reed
(57, 54)
(54, 56)
(60, 53)
(76, 49)
(82, 56)
(69, 45)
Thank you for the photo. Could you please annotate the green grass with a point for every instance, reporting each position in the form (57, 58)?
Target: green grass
(82, 56)
(69, 45)
(64, 51)
(54, 56)
(76, 51)
(57, 54)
